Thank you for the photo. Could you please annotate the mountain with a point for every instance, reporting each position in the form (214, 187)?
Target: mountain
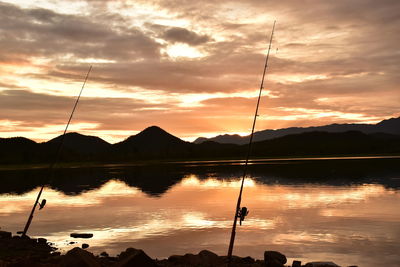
(152, 142)
(390, 126)
(328, 143)
(16, 149)
(76, 147)
(79, 143)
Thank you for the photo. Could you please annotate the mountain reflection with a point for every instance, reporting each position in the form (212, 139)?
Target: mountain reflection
(307, 221)
(155, 180)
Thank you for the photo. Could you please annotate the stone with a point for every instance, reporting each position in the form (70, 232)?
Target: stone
(4, 234)
(79, 257)
(296, 264)
(208, 258)
(42, 240)
(205, 258)
(274, 259)
(81, 235)
(134, 257)
(104, 254)
(321, 264)
(248, 260)
(274, 263)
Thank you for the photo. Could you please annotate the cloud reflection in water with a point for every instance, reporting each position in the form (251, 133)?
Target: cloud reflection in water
(306, 222)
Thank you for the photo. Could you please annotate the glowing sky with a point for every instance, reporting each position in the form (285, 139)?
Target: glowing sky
(194, 67)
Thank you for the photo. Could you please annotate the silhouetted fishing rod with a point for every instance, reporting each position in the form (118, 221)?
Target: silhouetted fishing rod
(241, 213)
(51, 167)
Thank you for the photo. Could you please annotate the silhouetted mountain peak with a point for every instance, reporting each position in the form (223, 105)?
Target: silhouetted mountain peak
(82, 143)
(152, 136)
(152, 141)
(154, 131)
(391, 125)
(17, 140)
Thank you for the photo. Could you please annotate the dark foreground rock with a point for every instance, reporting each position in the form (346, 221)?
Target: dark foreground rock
(274, 259)
(24, 251)
(134, 257)
(27, 252)
(321, 264)
(208, 259)
(79, 257)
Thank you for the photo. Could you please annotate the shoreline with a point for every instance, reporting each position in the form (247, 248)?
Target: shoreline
(25, 251)
(77, 165)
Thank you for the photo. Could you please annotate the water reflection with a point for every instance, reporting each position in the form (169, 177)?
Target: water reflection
(342, 224)
(348, 217)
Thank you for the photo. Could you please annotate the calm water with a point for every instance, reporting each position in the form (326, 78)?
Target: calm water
(346, 211)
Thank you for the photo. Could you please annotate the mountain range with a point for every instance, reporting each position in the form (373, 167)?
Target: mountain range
(390, 126)
(154, 143)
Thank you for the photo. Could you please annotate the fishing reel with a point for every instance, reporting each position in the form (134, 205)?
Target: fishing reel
(242, 213)
(41, 204)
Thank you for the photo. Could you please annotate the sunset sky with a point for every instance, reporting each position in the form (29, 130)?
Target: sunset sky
(193, 68)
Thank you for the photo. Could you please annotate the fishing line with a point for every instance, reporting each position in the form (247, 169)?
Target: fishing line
(241, 213)
(51, 167)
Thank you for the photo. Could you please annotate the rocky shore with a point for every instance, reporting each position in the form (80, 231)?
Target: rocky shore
(30, 252)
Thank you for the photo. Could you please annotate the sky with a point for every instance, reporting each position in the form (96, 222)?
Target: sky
(194, 68)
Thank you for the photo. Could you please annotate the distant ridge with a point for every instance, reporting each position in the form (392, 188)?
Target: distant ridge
(80, 143)
(154, 143)
(389, 126)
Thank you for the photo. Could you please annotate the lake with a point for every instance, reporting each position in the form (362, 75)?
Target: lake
(341, 210)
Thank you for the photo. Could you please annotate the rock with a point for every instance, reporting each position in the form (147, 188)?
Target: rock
(274, 259)
(81, 235)
(104, 254)
(248, 260)
(208, 258)
(134, 257)
(79, 257)
(296, 264)
(85, 246)
(4, 234)
(174, 258)
(205, 258)
(321, 264)
(42, 240)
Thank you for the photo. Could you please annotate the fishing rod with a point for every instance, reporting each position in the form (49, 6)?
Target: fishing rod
(241, 213)
(51, 167)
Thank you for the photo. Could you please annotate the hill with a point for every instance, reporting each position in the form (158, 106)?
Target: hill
(328, 143)
(154, 143)
(79, 143)
(390, 126)
(16, 149)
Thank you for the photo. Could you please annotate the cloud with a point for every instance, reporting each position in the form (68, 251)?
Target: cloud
(41, 32)
(333, 57)
(182, 35)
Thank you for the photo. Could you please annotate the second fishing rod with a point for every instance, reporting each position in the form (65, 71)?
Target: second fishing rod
(54, 162)
(241, 213)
